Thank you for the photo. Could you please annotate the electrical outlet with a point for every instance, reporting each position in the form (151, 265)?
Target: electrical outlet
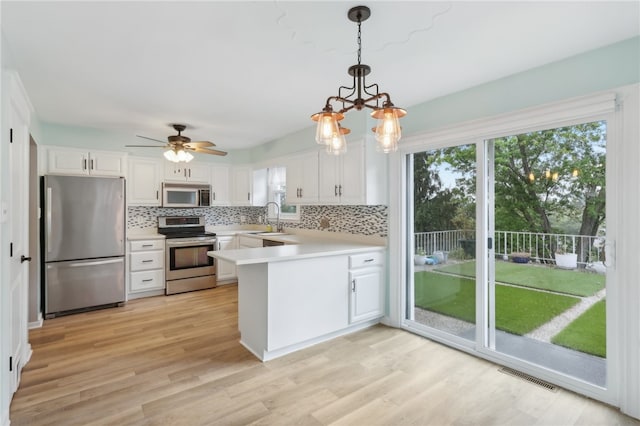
(243, 219)
(324, 223)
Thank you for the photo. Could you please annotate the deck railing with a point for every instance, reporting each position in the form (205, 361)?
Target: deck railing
(540, 247)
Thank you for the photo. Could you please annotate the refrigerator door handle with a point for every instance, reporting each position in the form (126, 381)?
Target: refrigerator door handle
(99, 262)
(48, 213)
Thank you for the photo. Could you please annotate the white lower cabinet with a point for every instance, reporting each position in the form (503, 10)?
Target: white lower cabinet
(366, 286)
(226, 270)
(146, 265)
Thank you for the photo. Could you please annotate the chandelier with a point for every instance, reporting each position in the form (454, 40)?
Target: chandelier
(387, 130)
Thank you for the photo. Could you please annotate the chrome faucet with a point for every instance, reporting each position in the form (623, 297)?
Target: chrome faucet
(266, 206)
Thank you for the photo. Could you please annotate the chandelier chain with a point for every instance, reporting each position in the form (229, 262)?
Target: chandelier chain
(359, 41)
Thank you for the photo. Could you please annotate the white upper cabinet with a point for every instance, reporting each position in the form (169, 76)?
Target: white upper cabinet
(302, 178)
(70, 161)
(342, 177)
(356, 177)
(241, 180)
(144, 181)
(187, 172)
(220, 185)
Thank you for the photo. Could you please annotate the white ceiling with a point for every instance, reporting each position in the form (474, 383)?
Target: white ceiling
(243, 73)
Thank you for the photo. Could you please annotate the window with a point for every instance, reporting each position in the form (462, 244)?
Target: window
(277, 192)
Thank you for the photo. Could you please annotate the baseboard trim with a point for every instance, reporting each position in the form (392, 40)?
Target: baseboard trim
(36, 324)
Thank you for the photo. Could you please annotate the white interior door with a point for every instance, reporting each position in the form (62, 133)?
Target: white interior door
(19, 244)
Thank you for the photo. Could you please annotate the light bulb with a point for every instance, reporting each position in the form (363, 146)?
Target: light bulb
(337, 145)
(171, 156)
(388, 130)
(327, 126)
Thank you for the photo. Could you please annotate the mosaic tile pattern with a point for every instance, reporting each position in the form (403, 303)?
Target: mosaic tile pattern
(362, 220)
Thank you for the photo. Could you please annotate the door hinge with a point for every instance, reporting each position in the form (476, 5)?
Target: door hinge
(10, 249)
(490, 243)
(10, 363)
(10, 135)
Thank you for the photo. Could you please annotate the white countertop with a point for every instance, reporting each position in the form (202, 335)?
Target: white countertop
(304, 249)
(144, 235)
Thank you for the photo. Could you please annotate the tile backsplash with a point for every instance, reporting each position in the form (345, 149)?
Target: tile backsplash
(363, 220)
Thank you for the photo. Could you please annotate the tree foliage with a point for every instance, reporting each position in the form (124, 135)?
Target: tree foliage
(550, 181)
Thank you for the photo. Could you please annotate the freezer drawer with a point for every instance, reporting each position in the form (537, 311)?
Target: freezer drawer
(83, 284)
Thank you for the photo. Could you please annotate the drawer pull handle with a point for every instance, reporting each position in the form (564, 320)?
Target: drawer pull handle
(368, 260)
(147, 245)
(147, 280)
(147, 261)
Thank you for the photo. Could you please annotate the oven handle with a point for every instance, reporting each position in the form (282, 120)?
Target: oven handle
(191, 243)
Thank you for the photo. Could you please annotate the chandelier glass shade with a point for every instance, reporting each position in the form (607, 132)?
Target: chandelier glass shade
(338, 144)
(178, 155)
(360, 95)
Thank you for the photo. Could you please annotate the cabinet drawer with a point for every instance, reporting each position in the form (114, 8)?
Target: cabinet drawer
(143, 261)
(147, 280)
(366, 259)
(144, 245)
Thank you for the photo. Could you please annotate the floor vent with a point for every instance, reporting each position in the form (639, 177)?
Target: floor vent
(515, 373)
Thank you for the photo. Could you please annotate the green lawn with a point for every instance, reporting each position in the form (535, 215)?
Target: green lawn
(545, 278)
(518, 310)
(587, 333)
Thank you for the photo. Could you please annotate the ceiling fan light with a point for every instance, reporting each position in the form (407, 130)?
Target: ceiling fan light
(188, 157)
(171, 155)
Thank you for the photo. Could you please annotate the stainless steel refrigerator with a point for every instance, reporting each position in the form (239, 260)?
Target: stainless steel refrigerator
(83, 242)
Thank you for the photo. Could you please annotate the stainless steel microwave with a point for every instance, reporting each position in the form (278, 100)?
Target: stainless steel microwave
(185, 195)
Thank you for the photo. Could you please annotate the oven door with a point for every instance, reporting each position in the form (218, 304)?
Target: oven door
(187, 259)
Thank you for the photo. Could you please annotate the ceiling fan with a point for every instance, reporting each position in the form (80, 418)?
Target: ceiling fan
(178, 146)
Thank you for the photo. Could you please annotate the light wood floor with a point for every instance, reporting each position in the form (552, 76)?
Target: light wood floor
(176, 360)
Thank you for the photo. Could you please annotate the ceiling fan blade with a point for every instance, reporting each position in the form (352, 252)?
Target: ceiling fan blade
(208, 151)
(152, 139)
(200, 144)
(145, 146)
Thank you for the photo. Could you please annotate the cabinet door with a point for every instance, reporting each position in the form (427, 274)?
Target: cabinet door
(241, 184)
(198, 173)
(175, 172)
(328, 178)
(308, 178)
(220, 185)
(107, 164)
(226, 270)
(68, 162)
(143, 186)
(366, 295)
(351, 189)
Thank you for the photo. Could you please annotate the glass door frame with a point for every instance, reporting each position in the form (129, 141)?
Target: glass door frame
(596, 108)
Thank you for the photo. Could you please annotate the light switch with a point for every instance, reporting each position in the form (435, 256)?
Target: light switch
(4, 212)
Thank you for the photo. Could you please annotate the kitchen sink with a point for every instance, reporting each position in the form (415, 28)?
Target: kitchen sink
(272, 233)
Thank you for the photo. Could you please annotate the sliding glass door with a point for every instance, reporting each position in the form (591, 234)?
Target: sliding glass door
(507, 240)
(444, 240)
(548, 223)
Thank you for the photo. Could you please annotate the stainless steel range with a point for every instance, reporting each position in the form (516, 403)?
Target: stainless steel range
(187, 266)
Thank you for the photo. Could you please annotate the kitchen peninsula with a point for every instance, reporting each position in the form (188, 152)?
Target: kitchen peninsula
(304, 292)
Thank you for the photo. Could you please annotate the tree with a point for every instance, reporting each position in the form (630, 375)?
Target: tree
(435, 207)
(544, 179)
